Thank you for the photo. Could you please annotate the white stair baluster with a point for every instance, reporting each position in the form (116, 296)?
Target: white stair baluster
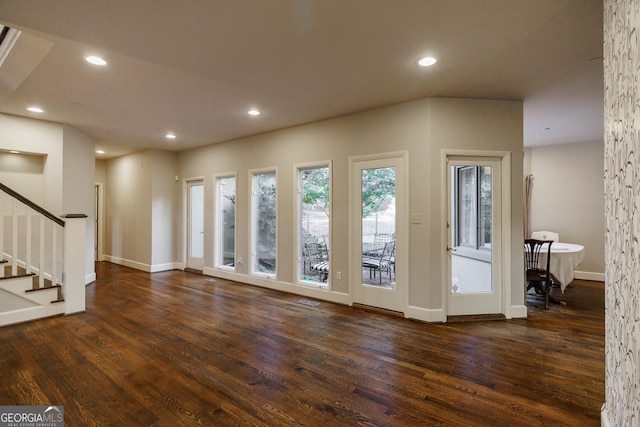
(14, 243)
(54, 255)
(28, 255)
(41, 263)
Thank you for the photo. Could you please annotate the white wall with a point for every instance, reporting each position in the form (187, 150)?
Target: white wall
(143, 210)
(41, 138)
(568, 197)
(101, 171)
(165, 208)
(78, 191)
(128, 209)
(423, 128)
(23, 173)
(68, 171)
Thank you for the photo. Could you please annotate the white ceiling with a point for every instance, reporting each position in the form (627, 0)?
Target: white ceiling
(195, 67)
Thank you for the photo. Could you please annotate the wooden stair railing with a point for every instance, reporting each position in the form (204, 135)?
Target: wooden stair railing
(46, 257)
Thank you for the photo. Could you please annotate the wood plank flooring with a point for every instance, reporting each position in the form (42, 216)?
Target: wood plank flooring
(181, 349)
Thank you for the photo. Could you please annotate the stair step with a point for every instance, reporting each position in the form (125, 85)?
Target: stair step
(43, 288)
(27, 285)
(57, 288)
(16, 276)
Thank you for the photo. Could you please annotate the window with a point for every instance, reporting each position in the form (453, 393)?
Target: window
(473, 207)
(313, 227)
(225, 246)
(264, 223)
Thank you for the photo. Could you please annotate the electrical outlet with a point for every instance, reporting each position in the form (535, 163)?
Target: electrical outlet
(338, 275)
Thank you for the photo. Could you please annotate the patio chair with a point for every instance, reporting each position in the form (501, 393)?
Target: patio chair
(381, 238)
(381, 263)
(320, 262)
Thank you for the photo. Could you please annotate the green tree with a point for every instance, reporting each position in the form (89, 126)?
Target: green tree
(378, 190)
(315, 189)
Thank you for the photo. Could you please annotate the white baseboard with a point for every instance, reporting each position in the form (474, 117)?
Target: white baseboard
(589, 275)
(433, 315)
(32, 313)
(265, 282)
(165, 267)
(90, 278)
(517, 312)
(142, 266)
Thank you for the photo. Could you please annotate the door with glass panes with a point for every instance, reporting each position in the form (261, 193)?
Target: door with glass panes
(474, 236)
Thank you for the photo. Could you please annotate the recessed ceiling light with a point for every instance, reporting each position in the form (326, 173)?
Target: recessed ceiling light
(95, 60)
(14, 152)
(170, 136)
(427, 61)
(99, 151)
(35, 109)
(253, 112)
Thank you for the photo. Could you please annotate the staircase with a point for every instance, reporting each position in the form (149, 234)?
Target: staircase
(41, 261)
(22, 300)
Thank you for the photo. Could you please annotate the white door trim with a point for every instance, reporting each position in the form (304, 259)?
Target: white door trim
(100, 212)
(185, 217)
(402, 227)
(506, 267)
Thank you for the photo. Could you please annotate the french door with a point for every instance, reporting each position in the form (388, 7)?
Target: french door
(379, 220)
(195, 224)
(474, 236)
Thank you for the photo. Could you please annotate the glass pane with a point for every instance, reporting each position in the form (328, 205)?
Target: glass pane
(314, 227)
(265, 223)
(484, 237)
(196, 221)
(467, 206)
(226, 221)
(472, 221)
(378, 226)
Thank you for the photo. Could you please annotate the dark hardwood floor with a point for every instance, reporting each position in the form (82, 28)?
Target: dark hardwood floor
(181, 349)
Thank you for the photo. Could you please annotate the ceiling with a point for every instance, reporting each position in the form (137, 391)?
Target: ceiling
(196, 67)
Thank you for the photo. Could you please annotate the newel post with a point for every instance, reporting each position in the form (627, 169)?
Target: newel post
(74, 260)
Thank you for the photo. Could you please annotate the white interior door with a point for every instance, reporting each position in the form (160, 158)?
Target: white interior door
(379, 221)
(474, 236)
(195, 225)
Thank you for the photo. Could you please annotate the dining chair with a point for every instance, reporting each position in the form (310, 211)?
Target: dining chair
(538, 278)
(545, 235)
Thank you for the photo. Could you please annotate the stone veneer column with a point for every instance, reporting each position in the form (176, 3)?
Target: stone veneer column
(622, 211)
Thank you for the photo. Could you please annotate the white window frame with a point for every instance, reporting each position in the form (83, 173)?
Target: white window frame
(298, 235)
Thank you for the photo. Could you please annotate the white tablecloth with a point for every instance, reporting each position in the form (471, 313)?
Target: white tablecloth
(565, 257)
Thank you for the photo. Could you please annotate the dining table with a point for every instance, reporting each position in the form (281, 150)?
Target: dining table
(565, 257)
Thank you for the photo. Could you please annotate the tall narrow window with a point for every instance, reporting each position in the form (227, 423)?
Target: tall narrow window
(225, 222)
(313, 227)
(264, 223)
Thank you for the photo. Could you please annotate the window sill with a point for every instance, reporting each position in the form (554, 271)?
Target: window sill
(480, 255)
